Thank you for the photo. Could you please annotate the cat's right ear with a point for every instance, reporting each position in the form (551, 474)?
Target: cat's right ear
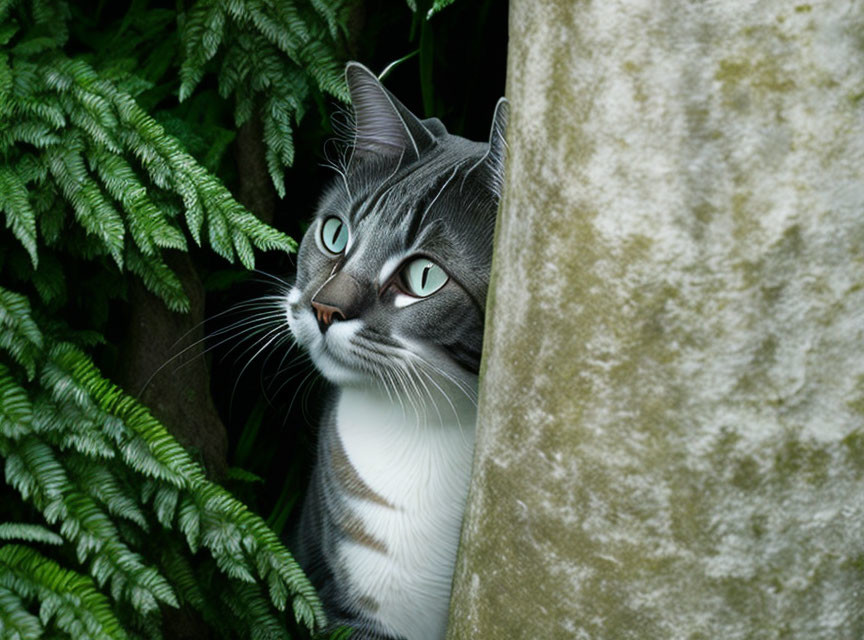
(384, 127)
(494, 160)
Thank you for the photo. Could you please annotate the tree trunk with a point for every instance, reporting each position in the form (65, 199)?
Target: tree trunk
(164, 367)
(671, 430)
(255, 189)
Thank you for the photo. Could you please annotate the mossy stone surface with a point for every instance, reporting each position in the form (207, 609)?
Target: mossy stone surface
(671, 424)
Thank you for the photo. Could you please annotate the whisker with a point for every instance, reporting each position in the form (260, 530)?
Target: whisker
(297, 390)
(278, 280)
(257, 353)
(305, 360)
(268, 327)
(234, 308)
(469, 393)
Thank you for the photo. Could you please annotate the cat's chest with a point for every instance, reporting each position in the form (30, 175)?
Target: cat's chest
(415, 470)
(408, 457)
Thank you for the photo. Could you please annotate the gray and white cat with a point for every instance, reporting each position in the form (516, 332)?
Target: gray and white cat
(389, 302)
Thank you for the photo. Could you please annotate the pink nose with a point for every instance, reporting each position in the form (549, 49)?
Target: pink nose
(326, 313)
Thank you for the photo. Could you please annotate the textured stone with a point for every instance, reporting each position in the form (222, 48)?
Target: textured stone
(671, 431)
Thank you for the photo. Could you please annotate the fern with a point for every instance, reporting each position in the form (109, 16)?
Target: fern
(19, 335)
(114, 166)
(68, 599)
(437, 6)
(271, 56)
(19, 214)
(28, 533)
(85, 498)
(88, 179)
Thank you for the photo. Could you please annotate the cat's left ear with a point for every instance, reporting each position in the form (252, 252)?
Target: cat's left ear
(384, 127)
(494, 160)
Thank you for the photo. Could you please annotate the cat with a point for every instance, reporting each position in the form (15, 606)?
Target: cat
(389, 302)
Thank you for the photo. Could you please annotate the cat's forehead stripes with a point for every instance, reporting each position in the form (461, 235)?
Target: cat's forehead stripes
(401, 213)
(369, 202)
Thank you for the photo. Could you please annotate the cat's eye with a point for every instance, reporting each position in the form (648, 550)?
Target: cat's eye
(334, 234)
(423, 277)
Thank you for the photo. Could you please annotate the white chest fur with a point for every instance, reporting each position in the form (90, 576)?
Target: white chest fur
(420, 463)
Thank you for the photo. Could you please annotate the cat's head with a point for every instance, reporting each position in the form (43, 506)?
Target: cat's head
(392, 273)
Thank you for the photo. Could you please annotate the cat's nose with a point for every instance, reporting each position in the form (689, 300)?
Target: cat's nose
(326, 315)
(342, 297)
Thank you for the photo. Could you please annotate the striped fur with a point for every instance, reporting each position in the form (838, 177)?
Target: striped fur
(380, 523)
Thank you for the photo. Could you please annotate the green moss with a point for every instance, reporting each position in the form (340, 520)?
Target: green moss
(765, 355)
(634, 71)
(854, 449)
(771, 294)
(759, 525)
(629, 488)
(795, 458)
(857, 403)
(744, 218)
(746, 475)
(704, 212)
(690, 514)
(752, 74)
(857, 562)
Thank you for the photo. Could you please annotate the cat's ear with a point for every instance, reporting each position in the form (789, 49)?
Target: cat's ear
(494, 160)
(383, 125)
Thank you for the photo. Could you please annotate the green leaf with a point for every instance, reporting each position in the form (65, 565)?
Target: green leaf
(15, 620)
(19, 214)
(19, 335)
(28, 533)
(158, 278)
(69, 598)
(16, 412)
(437, 6)
(242, 475)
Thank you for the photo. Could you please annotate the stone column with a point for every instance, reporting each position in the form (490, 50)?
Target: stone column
(671, 430)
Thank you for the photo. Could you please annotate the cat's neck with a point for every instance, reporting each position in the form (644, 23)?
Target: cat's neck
(433, 404)
(403, 446)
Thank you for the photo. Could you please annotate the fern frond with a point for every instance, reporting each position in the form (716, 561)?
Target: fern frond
(16, 412)
(33, 469)
(101, 483)
(202, 35)
(223, 521)
(321, 61)
(19, 214)
(147, 222)
(189, 520)
(16, 622)
(19, 335)
(437, 6)
(50, 280)
(158, 278)
(92, 209)
(165, 504)
(28, 533)
(67, 598)
(273, 52)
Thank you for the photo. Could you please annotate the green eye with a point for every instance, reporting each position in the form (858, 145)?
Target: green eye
(423, 277)
(334, 234)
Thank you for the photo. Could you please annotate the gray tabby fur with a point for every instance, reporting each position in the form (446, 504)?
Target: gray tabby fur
(380, 523)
